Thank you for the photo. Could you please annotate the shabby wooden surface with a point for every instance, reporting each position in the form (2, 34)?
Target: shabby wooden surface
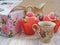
(21, 39)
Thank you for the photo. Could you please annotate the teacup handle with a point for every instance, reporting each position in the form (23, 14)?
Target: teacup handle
(36, 26)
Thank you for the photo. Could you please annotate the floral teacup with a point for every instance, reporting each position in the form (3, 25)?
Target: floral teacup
(45, 30)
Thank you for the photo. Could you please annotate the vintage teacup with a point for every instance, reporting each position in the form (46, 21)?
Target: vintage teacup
(45, 30)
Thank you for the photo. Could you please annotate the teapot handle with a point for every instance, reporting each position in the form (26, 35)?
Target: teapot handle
(35, 28)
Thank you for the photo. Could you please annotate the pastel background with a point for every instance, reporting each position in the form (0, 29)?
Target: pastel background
(51, 5)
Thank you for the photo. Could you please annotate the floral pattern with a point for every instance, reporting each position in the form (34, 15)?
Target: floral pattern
(8, 24)
(5, 29)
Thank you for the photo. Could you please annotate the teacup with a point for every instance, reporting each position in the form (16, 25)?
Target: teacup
(45, 30)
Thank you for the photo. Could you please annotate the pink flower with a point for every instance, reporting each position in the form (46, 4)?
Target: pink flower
(4, 18)
(30, 14)
(5, 29)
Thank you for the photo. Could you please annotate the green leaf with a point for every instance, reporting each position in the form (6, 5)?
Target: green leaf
(14, 23)
(0, 29)
(3, 22)
(11, 33)
(9, 16)
(10, 36)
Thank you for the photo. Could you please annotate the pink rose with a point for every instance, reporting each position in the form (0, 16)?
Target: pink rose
(5, 29)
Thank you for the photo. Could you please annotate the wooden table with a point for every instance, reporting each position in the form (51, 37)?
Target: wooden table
(21, 39)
